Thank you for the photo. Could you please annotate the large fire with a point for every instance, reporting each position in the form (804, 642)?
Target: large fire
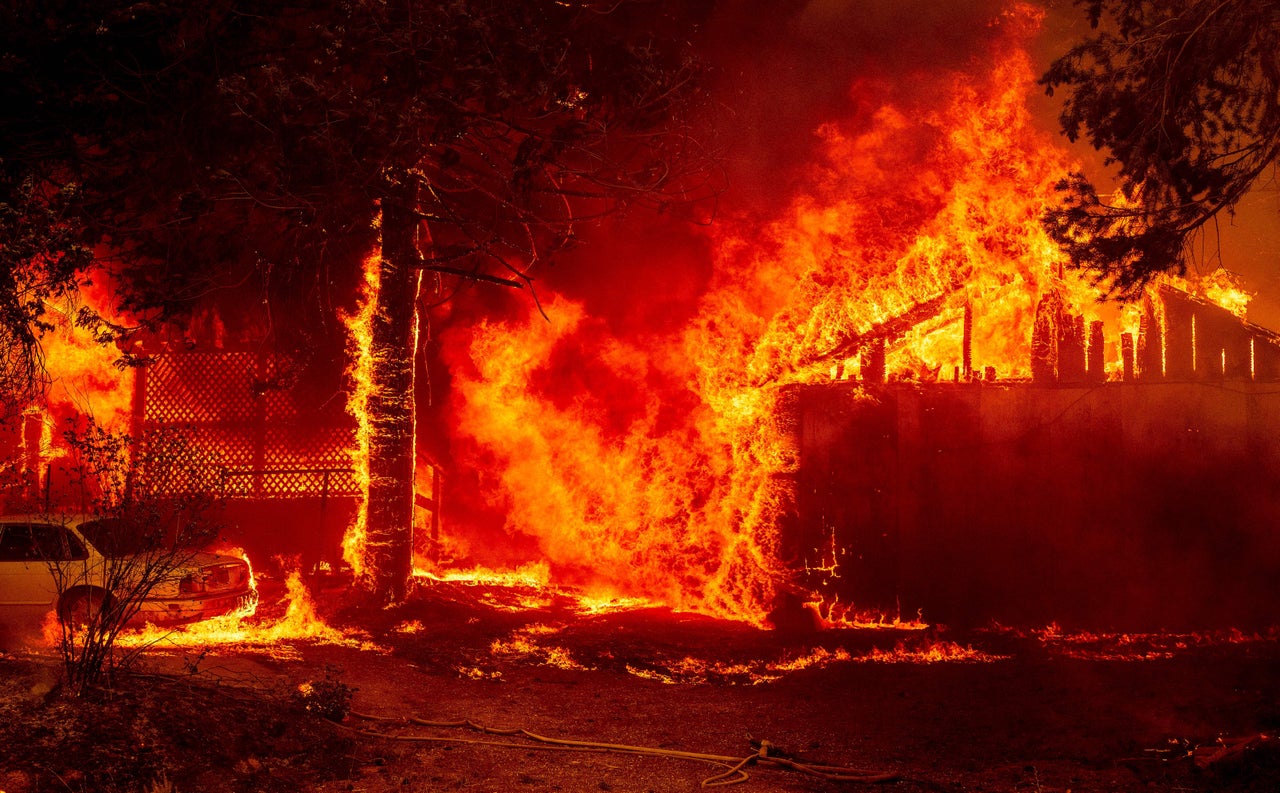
(654, 465)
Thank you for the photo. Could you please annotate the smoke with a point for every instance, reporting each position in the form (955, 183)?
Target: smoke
(778, 74)
(783, 73)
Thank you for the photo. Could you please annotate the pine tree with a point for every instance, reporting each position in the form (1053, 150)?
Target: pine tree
(1183, 97)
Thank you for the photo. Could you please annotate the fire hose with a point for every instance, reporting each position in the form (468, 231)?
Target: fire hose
(734, 773)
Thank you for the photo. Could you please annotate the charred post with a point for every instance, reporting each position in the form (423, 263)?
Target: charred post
(873, 366)
(1179, 339)
(1044, 338)
(1150, 343)
(1127, 356)
(967, 359)
(1071, 349)
(1096, 353)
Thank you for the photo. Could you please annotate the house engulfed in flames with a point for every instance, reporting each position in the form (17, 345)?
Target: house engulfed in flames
(1142, 498)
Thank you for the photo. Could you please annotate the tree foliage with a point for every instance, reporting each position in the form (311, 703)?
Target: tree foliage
(232, 149)
(1183, 96)
(244, 143)
(42, 248)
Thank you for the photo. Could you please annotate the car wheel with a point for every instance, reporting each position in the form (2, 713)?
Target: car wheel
(83, 608)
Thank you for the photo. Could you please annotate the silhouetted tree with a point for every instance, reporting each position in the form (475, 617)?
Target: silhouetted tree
(42, 248)
(241, 141)
(1183, 97)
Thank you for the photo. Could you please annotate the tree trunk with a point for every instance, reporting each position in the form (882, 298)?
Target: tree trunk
(389, 532)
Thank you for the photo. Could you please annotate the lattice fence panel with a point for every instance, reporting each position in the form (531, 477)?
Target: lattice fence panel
(197, 387)
(291, 482)
(257, 435)
(319, 445)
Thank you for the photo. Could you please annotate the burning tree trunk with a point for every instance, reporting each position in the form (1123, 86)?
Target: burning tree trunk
(388, 542)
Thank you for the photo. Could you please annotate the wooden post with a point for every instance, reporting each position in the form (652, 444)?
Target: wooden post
(1044, 338)
(873, 362)
(966, 363)
(389, 532)
(1096, 354)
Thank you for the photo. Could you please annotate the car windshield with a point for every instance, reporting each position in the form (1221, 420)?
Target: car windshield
(120, 537)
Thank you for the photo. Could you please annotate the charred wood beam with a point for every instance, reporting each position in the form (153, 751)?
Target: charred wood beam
(887, 330)
(873, 365)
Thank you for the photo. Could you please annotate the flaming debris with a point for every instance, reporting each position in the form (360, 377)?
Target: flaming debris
(523, 644)
(1114, 646)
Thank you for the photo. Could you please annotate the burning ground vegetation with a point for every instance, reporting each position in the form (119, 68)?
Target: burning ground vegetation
(514, 685)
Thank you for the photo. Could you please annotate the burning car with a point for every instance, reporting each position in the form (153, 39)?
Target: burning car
(75, 565)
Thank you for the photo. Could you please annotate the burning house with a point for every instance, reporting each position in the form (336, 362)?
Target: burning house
(1136, 499)
(893, 396)
(860, 462)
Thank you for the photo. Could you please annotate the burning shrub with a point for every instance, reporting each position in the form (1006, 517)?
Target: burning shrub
(150, 498)
(328, 697)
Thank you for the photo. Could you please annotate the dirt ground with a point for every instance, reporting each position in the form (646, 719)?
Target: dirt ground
(1010, 711)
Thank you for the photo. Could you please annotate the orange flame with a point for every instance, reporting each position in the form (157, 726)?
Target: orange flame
(523, 644)
(1115, 646)
(300, 622)
(82, 372)
(937, 653)
(684, 509)
(360, 370)
(665, 475)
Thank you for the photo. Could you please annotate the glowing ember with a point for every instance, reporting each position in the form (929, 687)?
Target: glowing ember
(535, 575)
(834, 614)
(690, 670)
(476, 673)
(1103, 646)
(819, 656)
(597, 605)
(936, 653)
(529, 587)
(522, 645)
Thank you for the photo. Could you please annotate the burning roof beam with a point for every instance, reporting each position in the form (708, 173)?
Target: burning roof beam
(889, 329)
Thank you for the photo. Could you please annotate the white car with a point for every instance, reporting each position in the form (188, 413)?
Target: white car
(92, 555)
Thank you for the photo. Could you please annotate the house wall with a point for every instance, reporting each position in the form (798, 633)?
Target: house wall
(1116, 505)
